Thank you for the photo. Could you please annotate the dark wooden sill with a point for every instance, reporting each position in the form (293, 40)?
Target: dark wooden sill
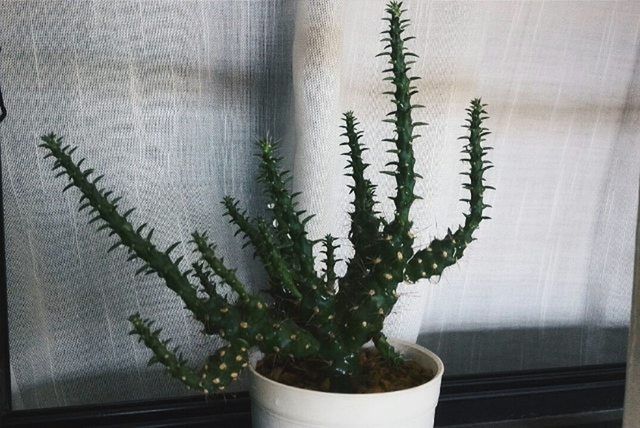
(590, 396)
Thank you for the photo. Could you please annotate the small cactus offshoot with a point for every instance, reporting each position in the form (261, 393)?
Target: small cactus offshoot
(308, 314)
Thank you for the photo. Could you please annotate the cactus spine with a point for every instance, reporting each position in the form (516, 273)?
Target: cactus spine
(310, 314)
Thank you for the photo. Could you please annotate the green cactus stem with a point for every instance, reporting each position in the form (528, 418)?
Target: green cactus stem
(441, 253)
(221, 368)
(329, 272)
(403, 167)
(290, 226)
(308, 314)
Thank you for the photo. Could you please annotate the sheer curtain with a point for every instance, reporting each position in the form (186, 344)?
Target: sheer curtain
(167, 98)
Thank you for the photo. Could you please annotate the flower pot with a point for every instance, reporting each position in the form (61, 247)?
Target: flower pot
(275, 405)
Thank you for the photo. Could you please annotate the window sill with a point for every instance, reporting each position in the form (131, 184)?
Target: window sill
(579, 396)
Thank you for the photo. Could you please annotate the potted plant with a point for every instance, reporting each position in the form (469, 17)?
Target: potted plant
(306, 343)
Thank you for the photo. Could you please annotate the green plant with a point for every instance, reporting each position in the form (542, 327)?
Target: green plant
(309, 314)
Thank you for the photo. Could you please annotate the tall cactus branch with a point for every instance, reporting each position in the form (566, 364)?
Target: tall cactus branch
(105, 209)
(365, 224)
(266, 249)
(208, 255)
(444, 252)
(310, 301)
(288, 222)
(403, 166)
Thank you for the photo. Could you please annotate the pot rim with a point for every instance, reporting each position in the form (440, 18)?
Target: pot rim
(436, 377)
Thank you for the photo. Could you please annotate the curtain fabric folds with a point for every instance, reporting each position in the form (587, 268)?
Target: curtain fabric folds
(167, 98)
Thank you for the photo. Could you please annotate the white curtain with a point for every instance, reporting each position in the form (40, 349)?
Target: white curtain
(167, 98)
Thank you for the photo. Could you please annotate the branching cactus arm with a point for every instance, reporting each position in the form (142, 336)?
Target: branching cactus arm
(105, 208)
(315, 306)
(208, 255)
(444, 252)
(288, 221)
(403, 167)
(207, 283)
(221, 368)
(329, 271)
(365, 223)
(247, 319)
(266, 249)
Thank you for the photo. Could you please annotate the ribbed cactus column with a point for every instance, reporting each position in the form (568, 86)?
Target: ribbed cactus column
(365, 221)
(403, 167)
(444, 252)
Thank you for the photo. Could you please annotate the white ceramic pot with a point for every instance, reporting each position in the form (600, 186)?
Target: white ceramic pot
(275, 405)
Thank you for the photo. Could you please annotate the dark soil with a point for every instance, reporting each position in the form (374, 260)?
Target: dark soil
(377, 374)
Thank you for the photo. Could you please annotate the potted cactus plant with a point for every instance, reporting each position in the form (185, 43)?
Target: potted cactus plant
(306, 342)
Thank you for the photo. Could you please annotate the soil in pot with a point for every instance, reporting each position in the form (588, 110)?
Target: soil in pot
(377, 375)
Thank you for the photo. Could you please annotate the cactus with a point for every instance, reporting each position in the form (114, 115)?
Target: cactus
(309, 314)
